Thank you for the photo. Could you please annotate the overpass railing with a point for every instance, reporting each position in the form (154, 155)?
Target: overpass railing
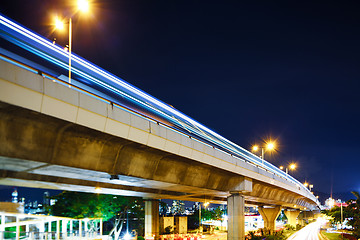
(31, 226)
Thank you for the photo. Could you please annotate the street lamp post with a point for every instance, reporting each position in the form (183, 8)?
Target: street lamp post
(83, 6)
(290, 167)
(200, 222)
(270, 146)
(70, 40)
(199, 217)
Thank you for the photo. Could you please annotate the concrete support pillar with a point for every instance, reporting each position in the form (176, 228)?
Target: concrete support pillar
(101, 227)
(291, 216)
(269, 216)
(236, 217)
(152, 218)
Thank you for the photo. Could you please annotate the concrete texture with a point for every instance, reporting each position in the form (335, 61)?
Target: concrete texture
(269, 216)
(55, 137)
(166, 222)
(180, 225)
(291, 216)
(152, 218)
(236, 217)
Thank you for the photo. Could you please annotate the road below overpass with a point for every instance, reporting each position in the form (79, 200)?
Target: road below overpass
(310, 232)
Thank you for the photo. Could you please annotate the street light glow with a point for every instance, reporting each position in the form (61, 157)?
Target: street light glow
(292, 166)
(306, 184)
(255, 148)
(281, 167)
(270, 146)
(83, 5)
(59, 24)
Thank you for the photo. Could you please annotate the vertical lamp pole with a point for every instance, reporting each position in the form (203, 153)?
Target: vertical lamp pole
(342, 235)
(70, 38)
(199, 217)
(270, 146)
(291, 167)
(83, 6)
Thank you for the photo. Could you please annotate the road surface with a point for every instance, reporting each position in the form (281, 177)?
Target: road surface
(310, 232)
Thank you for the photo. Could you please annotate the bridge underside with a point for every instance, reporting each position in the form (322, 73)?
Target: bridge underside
(45, 152)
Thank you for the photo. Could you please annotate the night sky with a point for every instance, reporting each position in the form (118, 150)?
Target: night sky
(288, 70)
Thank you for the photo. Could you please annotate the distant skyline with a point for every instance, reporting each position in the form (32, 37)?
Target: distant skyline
(248, 70)
(30, 194)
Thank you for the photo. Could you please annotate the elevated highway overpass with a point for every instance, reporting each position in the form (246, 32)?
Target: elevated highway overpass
(80, 139)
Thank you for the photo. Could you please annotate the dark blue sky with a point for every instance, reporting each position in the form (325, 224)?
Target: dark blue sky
(285, 69)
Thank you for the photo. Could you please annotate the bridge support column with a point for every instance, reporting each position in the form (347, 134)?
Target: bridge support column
(236, 217)
(236, 207)
(152, 218)
(291, 216)
(269, 216)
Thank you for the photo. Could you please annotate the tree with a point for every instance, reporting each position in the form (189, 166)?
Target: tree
(351, 213)
(178, 207)
(206, 214)
(109, 207)
(217, 214)
(335, 213)
(163, 208)
(354, 210)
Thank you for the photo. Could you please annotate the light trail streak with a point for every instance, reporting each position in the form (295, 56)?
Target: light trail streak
(309, 232)
(93, 74)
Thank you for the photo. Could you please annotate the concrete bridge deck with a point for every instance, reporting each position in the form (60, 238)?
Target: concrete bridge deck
(58, 137)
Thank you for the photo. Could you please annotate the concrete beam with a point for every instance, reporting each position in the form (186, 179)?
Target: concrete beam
(241, 184)
(269, 216)
(56, 145)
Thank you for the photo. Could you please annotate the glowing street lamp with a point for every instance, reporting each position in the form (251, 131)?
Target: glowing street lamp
(82, 6)
(59, 24)
(291, 167)
(270, 146)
